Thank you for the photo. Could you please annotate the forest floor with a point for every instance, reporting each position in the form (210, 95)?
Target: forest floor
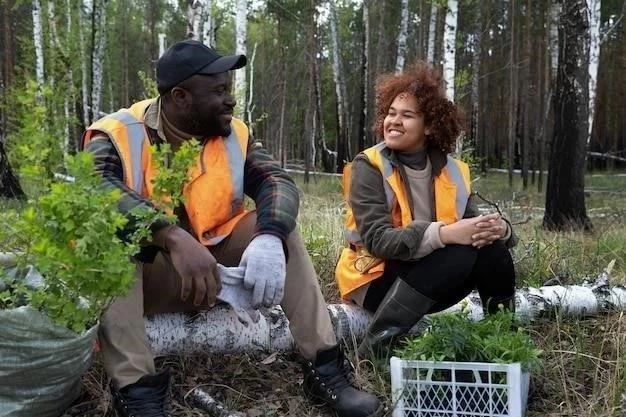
(584, 359)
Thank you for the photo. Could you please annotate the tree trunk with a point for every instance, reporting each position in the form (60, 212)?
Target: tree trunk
(85, 80)
(432, 32)
(7, 63)
(310, 119)
(365, 86)
(38, 42)
(9, 185)
(594, 59)
(340, 88)
(512, 93)
(241, 35)
(193, 19)
(528, 93)
(565, 197)
(449, 56)
(475, 99)
(402, 35)
(208, 34)
(97, 63)
(218, 331)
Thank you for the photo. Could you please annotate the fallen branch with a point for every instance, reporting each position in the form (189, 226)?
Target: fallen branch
(219, 331)
(205, 401)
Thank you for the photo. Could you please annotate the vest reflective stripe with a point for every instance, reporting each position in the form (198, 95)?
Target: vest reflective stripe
(451, 188)
(135, 134)
(462, 188)
(218, 171)
(236, 162)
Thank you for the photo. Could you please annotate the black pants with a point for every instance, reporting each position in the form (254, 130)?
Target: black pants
(449, 274)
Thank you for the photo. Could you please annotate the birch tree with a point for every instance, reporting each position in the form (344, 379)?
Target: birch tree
(449, 43)
(194, 11)
(84, 82)
(594, 58)
(565, 197)
(97, 58)
(432, 31)
(241, 36)
(449, 57)
(402, 35)
(38, 42)
(208, 34)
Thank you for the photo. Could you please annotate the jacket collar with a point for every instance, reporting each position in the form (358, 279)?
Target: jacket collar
(437, 158)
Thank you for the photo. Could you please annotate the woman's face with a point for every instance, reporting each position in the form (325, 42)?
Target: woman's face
(403, 127)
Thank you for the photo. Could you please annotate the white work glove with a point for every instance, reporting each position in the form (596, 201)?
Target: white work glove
(264, 261)
(234, 294)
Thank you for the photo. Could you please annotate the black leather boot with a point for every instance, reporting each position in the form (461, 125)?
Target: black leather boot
(147, 397)
(401, 309)
(330, 380)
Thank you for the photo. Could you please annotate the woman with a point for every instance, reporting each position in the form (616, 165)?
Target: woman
(417, 243)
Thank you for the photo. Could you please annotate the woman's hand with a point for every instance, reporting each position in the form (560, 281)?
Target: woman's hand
(476, 231)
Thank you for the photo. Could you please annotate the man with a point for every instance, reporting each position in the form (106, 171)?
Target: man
(178, 271)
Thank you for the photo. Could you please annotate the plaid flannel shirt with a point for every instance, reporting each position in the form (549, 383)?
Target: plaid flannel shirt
(273, 191)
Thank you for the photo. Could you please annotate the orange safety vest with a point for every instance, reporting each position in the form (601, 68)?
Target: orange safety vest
(214, 193)
(356, 267)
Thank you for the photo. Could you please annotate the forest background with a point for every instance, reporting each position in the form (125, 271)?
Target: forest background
(307, 90)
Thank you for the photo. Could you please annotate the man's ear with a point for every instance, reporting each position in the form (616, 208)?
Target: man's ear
(427, 131)
(180, 97)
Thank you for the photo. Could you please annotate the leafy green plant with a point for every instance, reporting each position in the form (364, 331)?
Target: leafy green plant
(72, 236)
(454, 337)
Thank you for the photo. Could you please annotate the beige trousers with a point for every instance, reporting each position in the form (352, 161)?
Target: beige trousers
(124, 344)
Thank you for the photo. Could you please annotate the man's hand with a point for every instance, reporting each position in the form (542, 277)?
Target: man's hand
(264, 261)
(476, 231)
(195, 265)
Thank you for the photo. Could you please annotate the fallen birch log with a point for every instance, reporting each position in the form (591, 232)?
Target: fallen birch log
(219, 330)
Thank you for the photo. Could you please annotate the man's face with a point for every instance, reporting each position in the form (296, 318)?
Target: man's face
(212, 105)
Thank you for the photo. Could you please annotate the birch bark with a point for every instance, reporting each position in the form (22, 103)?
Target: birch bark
(594, 58)
(432, 31)
(241, 36)
(402, 36)
(38, 41)
(219, 330)
(449, 41)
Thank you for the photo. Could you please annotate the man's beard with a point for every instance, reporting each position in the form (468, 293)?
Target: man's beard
(203, 125)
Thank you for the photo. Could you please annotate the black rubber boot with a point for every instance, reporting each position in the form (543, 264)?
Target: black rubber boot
(401, 309)
(492, 305)
(147, 397)
(330, 380)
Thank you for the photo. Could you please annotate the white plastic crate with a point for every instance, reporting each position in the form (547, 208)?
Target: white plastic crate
(458, 389)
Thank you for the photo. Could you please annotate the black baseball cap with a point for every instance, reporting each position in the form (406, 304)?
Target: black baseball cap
(189, 57)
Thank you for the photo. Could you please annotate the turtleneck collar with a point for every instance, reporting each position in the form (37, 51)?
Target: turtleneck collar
(414, 160)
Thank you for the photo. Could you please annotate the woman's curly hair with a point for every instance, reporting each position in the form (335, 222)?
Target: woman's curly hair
(443, 117)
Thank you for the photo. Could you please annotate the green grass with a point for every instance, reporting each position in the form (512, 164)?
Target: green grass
(540, 255)
(584, 360)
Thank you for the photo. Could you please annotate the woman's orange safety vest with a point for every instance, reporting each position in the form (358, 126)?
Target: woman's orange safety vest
(356, 267)
(214, 193)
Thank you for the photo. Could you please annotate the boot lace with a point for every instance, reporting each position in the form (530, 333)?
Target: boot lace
(341, 378)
